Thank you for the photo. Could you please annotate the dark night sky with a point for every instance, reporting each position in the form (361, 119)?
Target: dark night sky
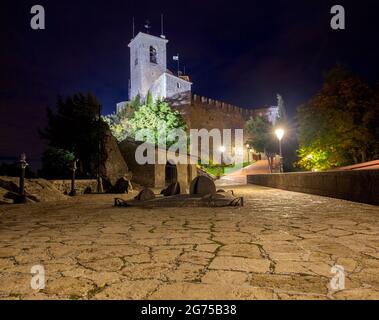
(242, 52)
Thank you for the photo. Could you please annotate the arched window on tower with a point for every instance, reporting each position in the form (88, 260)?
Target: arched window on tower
(153, 55)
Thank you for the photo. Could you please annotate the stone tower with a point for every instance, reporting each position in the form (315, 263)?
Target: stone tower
(148, 62)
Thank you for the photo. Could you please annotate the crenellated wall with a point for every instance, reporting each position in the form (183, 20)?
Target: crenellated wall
(222, 107)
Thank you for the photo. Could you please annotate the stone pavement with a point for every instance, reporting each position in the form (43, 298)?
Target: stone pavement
(239, 177)
(281, 245)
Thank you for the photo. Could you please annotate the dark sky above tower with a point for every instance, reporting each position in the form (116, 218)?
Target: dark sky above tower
(241, 52)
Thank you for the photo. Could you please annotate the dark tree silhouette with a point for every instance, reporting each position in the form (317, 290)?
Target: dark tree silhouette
(74, 127)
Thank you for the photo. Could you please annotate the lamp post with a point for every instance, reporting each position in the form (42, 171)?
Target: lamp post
(280, 134)
(73, 168)
(23, 165)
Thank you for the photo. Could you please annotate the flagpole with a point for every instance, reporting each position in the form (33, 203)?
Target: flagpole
(178, 65)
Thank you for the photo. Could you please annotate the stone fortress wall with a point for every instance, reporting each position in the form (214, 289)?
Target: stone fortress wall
(209, 114)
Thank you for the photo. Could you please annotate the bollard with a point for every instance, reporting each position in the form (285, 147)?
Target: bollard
(73, 168)
(23, 165)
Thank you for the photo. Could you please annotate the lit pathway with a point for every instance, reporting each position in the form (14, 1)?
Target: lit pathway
(239, 177)
(280, 245)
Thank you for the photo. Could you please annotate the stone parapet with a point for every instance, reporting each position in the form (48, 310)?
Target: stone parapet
(358, 186)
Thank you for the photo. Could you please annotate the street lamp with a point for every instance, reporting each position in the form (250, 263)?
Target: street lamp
(280, 134)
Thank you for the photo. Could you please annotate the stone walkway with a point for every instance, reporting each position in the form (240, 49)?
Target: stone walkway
(281, 245)
(239, 177)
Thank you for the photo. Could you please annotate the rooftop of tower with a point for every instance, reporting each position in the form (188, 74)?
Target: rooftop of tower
(141, 35)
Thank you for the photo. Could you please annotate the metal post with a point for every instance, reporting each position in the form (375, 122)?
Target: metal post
(178, 66)
(73, 168)
(23, 165)
(281, 156)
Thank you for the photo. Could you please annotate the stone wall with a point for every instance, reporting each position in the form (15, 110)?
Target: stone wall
(209, 114)
(154, 175)
(358, 186)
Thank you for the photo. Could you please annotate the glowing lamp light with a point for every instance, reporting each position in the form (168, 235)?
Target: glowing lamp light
(279, 133)
(222, 149)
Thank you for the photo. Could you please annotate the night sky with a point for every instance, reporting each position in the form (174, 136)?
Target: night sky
(241, 52)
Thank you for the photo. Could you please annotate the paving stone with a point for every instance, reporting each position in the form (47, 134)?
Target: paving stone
(240, 264)
(225, 277)
(280, 245)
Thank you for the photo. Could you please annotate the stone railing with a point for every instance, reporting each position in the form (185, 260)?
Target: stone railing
(358, 186)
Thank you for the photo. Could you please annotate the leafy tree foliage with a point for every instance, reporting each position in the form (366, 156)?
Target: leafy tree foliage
(56, 163)
(157, 117)
(119, 122)
(263, 139)
(263, 133)
(74, 127)
(339, 126)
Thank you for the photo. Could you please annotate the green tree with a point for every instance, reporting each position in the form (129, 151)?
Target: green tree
(263, 140)
(119, 122)
(151, 116)
(75, 126)
(339, 125)
(56, 163)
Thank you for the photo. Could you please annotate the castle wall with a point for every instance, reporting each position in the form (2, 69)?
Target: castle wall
(209, 114)
(205, 113)
(176, 86)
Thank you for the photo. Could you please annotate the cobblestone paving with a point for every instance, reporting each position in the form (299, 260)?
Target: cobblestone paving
(281, 245)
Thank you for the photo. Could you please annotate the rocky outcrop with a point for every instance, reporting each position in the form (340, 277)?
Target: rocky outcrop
(36, 190)
(113, 166)
(81, 186)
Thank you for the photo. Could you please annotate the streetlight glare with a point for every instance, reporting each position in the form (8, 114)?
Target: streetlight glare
(279, 133)
(222, 149)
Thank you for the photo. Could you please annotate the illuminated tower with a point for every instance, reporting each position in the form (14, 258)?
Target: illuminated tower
(148, 62)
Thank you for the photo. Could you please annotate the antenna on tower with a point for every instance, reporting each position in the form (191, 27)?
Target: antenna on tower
(147, 26)
(162, 25)
(134, 29)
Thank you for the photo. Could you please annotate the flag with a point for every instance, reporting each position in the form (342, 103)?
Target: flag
(176, 58)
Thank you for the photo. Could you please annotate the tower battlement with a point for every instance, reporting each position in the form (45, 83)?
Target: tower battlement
(222, 106)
